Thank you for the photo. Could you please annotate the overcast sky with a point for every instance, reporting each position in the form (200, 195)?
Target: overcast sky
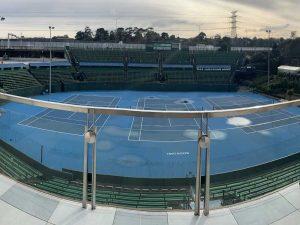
(179, 17)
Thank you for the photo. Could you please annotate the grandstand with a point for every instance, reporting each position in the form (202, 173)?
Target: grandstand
(171, 66)
(17, 80)
(227, 191)
(59, 74)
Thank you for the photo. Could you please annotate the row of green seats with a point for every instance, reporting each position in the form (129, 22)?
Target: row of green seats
(17, 79)
(16, 168)
(258, 185)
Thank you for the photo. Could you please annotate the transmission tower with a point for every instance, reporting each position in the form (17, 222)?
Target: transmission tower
(233, 24)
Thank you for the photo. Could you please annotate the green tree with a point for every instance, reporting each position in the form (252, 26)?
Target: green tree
(86, 35)
(201, 37)
(164, 36)
(101, 35)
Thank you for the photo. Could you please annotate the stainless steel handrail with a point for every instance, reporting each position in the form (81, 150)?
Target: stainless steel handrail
(148, 113)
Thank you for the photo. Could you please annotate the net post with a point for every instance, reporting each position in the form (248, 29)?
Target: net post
(85, 171)
(198, 174)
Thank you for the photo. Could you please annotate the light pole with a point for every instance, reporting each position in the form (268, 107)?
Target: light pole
(269, 53)
(50, 63)
(2, 20)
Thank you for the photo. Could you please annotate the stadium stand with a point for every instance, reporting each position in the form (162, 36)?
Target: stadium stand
(59, 74)
(88, 55)
(175, 66)
(216, 57)
(177, 57)
(19, 79)
(157, 197)
(14, 167)
(103, 74)
(142, 57)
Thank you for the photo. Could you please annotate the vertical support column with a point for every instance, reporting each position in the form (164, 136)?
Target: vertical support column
(207, 175)
(94, 171)
(198, 175)
(85, 171)
(203, 144)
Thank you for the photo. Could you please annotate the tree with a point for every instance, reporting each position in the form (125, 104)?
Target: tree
(112, 36)
(225, 44)
(151, 35)
(201, 36)
(86, 35)
(172, 37)
(120, 34)
(101, 35)
(138, 34)
(164, 36)
(79, 36)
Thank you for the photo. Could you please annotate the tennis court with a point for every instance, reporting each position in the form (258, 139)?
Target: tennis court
(152, 147)
(259, 121)
(71, 122)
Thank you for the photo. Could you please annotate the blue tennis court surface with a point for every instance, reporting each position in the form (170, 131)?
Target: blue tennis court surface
(152, 147)
(71, 122)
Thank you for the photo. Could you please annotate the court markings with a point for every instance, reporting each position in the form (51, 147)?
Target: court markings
(158, 129)
(262, 121)
(72, 125)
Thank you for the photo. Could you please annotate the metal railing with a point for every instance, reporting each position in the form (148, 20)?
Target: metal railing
(149, 113)
(203, 135)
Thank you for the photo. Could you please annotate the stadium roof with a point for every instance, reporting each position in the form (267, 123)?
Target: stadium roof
(289, 69)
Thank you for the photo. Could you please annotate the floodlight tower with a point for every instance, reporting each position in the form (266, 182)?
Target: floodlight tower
(50, 63)
(2, 19)
(233, 24)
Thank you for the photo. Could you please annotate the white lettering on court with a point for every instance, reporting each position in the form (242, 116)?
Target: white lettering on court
(177, 153)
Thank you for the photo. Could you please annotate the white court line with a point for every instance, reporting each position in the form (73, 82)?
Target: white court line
(166, 109)
(104, 123)
(54, 131)
(129, 135)
(131, 128)
(55, 118)
(31, 116)
(156, 125)
(274, 127)
(137, 107)
(142, 121)
(145, 140)
(70, 99)
(69, 117)
(43, 110)
(292, 117)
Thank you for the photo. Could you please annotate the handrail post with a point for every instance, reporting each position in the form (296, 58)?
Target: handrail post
(198, 175)
(94, 171)
(207, 175)
(85, 171)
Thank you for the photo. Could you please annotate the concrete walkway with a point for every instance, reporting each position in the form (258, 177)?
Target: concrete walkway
(21, 205)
